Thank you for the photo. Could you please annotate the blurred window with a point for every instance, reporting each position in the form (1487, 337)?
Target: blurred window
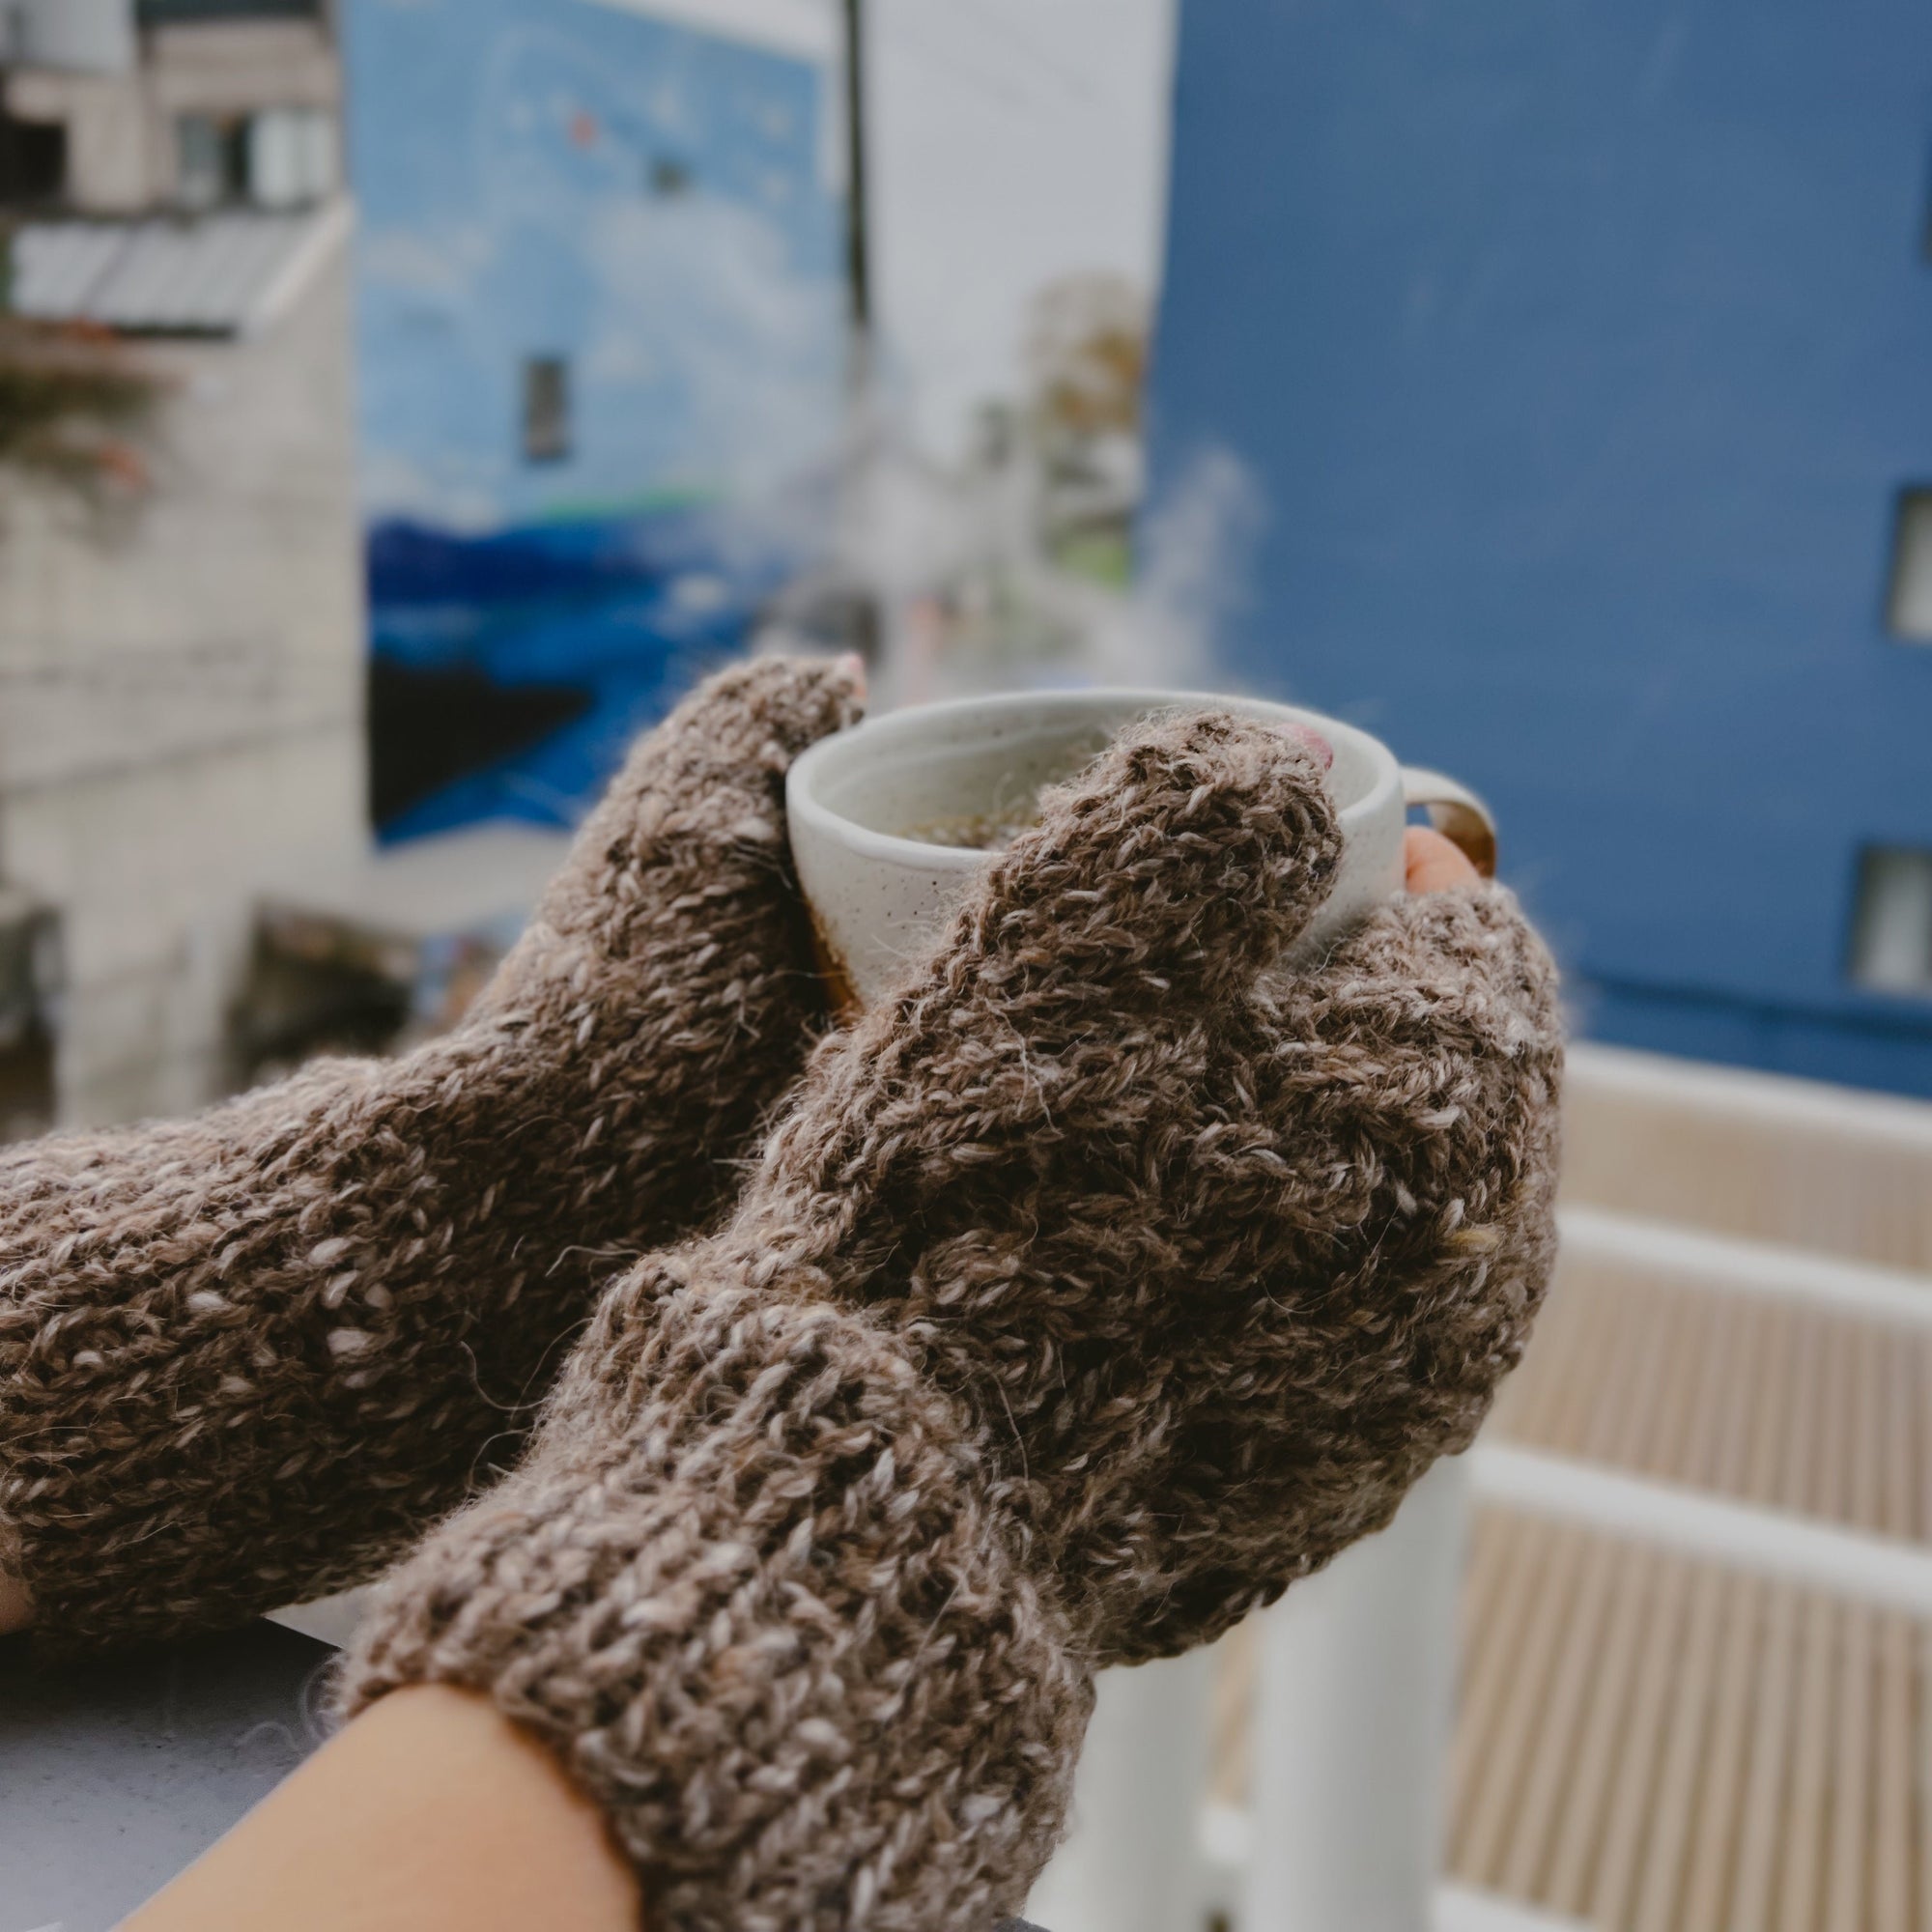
(290, 156)
(545, 408)
(282, 157)
(33, 160)
(1909, 613)
(1891, 935)
(210, 159)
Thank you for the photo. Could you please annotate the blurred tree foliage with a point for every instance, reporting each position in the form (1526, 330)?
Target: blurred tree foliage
(74, 405)
(1085, 356)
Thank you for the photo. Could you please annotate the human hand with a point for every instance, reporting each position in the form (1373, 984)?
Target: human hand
(1183, 1223)
(1434, 863)
(1092, 1288)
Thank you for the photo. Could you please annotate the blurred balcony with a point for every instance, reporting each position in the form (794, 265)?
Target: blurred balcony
(1694, 1682)
(1717, 1717)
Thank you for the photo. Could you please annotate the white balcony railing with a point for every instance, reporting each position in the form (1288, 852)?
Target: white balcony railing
(1701, 1616)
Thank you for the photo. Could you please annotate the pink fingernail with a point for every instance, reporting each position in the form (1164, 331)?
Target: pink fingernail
(1312, 739)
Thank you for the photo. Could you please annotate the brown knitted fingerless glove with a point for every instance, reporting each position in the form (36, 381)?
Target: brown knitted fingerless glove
(1090, 1291)
(245, 1359)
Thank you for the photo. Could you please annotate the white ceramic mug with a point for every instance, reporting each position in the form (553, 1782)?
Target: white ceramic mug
(878, 893)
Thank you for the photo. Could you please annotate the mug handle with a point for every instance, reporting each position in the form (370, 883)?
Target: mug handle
(1455, 811)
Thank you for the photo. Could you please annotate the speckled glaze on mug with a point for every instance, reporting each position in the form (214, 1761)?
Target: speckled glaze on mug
(878, 896)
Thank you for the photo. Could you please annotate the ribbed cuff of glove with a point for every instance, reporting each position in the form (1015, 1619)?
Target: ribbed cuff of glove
(749, 1591)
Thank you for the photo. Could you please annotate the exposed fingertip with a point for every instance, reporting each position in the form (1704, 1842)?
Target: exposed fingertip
(1434, 863)
(1306, 734)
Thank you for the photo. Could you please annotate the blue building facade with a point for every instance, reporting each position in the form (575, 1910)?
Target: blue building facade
(600, 344)
(1582, 354)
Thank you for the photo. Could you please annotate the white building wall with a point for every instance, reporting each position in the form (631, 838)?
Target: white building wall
(181, 701)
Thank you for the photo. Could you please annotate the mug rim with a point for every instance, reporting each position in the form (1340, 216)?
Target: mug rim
(824, 758)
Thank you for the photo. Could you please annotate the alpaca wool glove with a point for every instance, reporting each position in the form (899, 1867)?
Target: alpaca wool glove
(247, 1359)
(1095, 1285)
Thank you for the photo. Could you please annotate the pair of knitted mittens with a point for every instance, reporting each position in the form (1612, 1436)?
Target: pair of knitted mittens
(248, 1358)
(1090, 1289)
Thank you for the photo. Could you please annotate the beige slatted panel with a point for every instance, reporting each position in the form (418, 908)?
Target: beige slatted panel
(1543, 1649)
(1667, 1746)
(1648, 1835)
(1718, 1794)
(1745, 1756)
(1759, 1362)
(1689, 1746)
(1741, 1153)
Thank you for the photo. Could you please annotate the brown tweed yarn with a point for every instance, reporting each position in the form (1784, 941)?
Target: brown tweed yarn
(751, 1588)
(1089, 1291)
(246, 1358)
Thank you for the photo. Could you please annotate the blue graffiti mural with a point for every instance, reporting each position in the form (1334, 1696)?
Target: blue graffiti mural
(599, 335)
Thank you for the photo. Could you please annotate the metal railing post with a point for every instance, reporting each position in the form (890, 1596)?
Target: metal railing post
(1132, 1861)
(1356, 1682)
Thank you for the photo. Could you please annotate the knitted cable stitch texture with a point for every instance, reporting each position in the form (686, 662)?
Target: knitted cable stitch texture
(247, 1359)
(1092, 1288)
(750, 1589)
